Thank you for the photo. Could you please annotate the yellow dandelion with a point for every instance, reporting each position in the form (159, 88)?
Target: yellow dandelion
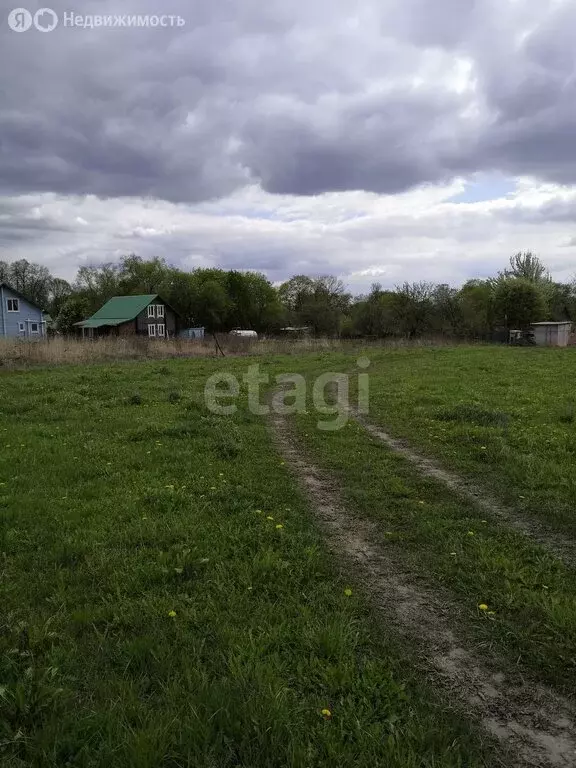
(279, 526)
(172, 614)
(483, 607)
(471, 533)
(269, 517)
(348, 592)
(326, 713)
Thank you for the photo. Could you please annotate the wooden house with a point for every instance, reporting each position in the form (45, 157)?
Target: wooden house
(147, 315)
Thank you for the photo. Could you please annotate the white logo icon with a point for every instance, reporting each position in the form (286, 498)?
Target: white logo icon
(45, 20)
(19, 20)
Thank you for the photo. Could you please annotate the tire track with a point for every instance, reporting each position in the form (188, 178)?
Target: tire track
(562, 548)
(535, 725)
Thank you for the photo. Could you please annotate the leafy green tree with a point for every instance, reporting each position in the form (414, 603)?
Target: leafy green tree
(476, 300)
(255, 301)
(59, 291)
(321, 303)
(561, 301)
(138, 276)
(373, 315)
(73, 309)
(293, 293)
(518, 302)
(98, 284)
(212, 305)
(413, 308)
(446, 311)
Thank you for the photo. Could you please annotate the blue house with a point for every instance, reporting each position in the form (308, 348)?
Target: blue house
(19, 317)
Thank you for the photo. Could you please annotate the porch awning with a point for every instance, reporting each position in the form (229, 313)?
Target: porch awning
(99, 323)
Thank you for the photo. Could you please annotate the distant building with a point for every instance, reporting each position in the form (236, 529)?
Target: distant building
(192, 333)
(20, 318)
(552, 334)
(147, 315)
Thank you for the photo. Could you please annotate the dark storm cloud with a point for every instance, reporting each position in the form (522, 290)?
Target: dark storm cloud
(304, 97)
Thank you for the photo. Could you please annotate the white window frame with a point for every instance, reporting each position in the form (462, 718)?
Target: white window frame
(13, 302)
(151, 330)
(151, 310)
(159, 310)
(37, 328)
(21, 327)
(161, 330)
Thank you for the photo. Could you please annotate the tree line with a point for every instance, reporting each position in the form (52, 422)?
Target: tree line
(220, 300)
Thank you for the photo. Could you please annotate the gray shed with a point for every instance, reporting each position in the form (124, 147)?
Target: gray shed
(552, 334)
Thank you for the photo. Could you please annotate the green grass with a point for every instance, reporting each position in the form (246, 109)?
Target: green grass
(503, 416)
(493, 414)
(449, 543)
(151, 614)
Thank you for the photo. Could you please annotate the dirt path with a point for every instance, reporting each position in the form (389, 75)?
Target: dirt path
(562, 548)
(536, 726)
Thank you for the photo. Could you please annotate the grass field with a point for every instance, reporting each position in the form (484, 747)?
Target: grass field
(504, 416)
(167, 598)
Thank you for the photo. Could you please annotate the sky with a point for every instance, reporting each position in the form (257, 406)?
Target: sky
(376, 140)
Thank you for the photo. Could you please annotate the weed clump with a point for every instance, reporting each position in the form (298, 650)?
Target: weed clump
(474, 414)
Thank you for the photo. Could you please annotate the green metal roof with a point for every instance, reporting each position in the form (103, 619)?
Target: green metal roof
(120, 309)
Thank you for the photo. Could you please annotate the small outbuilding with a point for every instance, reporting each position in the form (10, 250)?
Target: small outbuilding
(192, 333)
(552, 334)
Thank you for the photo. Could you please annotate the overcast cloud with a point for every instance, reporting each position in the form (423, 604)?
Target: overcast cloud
(310, 136)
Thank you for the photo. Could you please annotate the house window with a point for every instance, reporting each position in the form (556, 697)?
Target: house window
(151, 330)
(21, 328)
(34, 328)
(159, 310)
(151, 310)
(161, 329)
(13, 305)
